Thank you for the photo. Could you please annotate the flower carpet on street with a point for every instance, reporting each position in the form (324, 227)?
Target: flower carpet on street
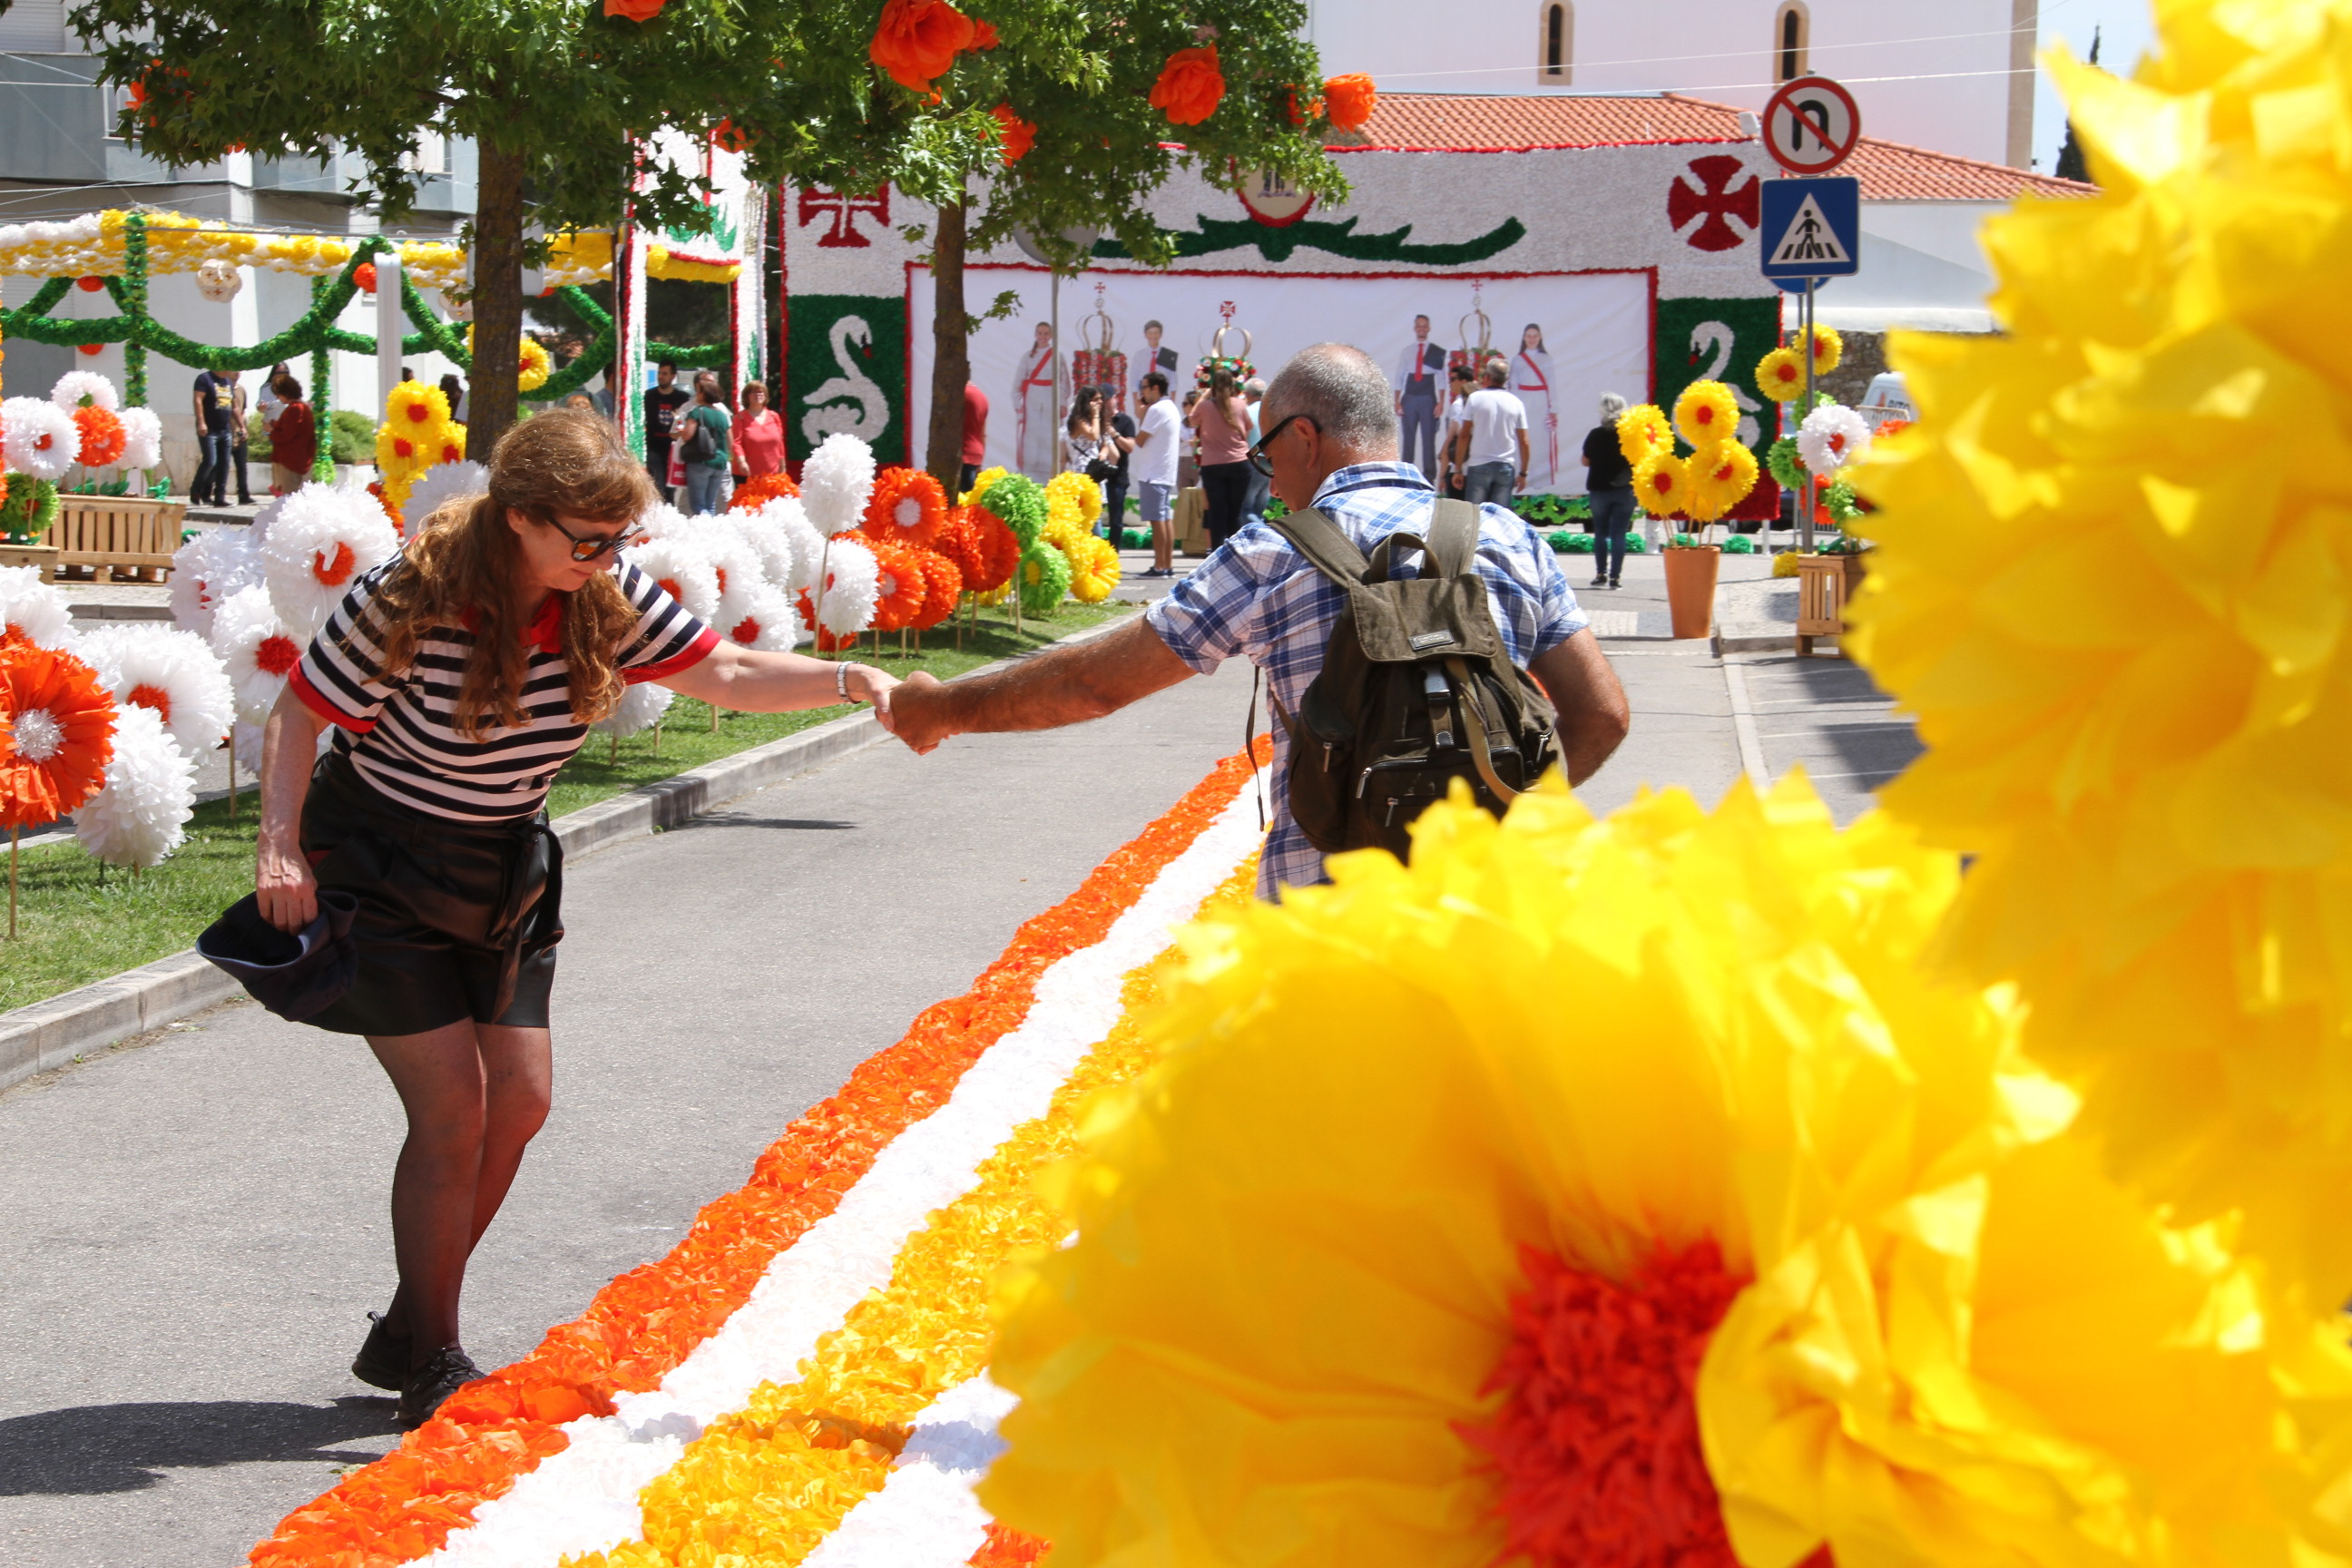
(803, 1377)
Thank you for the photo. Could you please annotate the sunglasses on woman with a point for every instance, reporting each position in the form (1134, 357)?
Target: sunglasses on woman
(1258, 458)
(593, 546)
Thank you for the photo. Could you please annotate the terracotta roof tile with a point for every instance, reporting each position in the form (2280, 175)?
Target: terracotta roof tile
(1461, 122)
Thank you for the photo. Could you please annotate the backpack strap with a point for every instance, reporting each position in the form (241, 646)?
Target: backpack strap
(1328, 549)
(1454, 538)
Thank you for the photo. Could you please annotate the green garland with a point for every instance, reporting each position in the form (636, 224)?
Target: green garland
(322, 395)
(134, 274)
(1338, 238)
(30, 506)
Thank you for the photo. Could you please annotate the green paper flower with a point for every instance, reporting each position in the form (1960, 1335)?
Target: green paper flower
(1044, 574)
(1020, 502)
(1782, 460)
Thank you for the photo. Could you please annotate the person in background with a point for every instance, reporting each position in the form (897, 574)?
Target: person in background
(1188, 466)
(601, 399)
(1221, 425)
(265, 401)
(663, 400)
(455, 391)
(1120, 436)
(214, 397)
(975, 434)
(236, 447)
(1608, 489)
(1492, 441)
(293, 437)
(1260, 486)
(582, 400)
(1082, 433)
(758, 435)
(1459, 385)
(1155, 437)
(709, 487)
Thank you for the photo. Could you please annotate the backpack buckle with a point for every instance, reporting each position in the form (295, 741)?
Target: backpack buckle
(1440, 708)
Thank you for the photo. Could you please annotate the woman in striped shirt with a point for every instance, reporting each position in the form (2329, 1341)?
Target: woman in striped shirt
(460, 677)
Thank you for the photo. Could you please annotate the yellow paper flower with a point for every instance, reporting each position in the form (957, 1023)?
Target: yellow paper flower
(1643, 431)
(1355, 1268)
(1094, 570)
(980, 484)
(1662, 484)
(1781, 375)
(1075, 497)
(2111, 580)
(1828, 349)
(538, 365)
(1706, 412)
(1718, 476)
(413, 404)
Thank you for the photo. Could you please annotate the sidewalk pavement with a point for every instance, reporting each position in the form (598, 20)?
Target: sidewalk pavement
(196, 1222)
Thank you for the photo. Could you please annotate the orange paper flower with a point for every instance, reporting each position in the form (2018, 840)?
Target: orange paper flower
(902, 586)
(1191, 86)
(1349, 99)
(1017, 134)
(917, 40)
(942, 586)
(983, 35)
(56, 734)
(102, 436)
(908, 507)
(758, 491)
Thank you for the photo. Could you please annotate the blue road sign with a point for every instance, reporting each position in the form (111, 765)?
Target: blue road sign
(1811, 230)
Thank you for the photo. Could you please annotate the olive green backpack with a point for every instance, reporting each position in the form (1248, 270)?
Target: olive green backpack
(1416, 689)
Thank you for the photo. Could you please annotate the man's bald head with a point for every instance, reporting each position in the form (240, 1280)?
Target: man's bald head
(1347, 397)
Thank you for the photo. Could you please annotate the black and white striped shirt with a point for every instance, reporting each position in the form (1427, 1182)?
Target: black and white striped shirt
(400, 734)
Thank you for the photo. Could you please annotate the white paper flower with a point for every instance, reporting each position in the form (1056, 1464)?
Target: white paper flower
(77, 384)
(142, 813)
(323, 538)
(641, 706)
(172, 673)
(259, 649)
(663, 520)
(208, 569)
(791, 519)
(1832, 436)
(37, 437)
(759, 618)
(835, 482)
(442, 483)
(854, 580)
(142, 438)
(732, 559)
(33, 610)
(683, 570)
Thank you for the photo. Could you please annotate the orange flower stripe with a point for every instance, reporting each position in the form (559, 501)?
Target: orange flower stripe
(1191, 86)
(768, 1483)
(647, 1320)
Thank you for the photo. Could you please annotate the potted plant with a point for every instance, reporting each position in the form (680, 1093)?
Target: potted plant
(1701, 487)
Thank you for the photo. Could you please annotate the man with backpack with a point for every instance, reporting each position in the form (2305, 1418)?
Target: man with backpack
(1390, 680)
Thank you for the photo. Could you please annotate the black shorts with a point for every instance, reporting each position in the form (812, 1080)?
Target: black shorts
(456, 919)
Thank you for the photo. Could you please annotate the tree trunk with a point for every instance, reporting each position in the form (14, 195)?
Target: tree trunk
(951, 360)
(490, 394)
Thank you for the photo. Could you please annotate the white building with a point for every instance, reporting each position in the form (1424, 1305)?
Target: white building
(1956, 78)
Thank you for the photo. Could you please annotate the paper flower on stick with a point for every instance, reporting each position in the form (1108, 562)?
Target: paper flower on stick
(1044, 577)
(835, 482)
(170, 673)
(1349, 100)
(1191, 86)
(1689, 1220)
(101, 435)
(322, 538)
(1707, 411)
(942, 586)
(899, 585)
(32, 613)
(37, 437)
(1717, 477)
(2141, 729)
(916, 41)
(1094, 570)
(1832, 436)
(760, 490)
(905, 508)
(258, 649)
(57, 727)
(1020, 503)
(1642, 432)
(1662, 484)
(983, 549)
(85, 389)
(853, 586)
(142, 438)
(683, 570)
(208, 569)
(1829, 349)
(771, 536)
(641, 708)
(1781, 375)
(142, 813)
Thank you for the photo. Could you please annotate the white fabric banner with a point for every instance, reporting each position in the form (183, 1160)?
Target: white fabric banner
(1570, 337)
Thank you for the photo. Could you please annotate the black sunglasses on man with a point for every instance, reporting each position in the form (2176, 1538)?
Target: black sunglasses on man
(1257, 457)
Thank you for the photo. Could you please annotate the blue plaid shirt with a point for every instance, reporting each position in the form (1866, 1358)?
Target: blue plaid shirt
(1258, 597)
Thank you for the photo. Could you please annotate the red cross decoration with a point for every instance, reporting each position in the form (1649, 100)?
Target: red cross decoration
(1716, 199)
(817, 203)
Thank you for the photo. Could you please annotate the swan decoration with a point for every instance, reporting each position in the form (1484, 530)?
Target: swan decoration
(1712, 340)
(850, 404)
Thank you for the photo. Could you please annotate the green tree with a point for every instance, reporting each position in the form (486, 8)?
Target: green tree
(2072, 164)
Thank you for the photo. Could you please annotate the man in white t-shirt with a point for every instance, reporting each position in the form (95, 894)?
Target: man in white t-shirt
(1491, 441)
(1154, 467)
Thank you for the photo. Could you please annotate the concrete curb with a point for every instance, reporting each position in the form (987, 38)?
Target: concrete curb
(41, 1036)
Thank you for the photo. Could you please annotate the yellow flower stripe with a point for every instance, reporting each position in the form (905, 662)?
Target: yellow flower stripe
(766, 1485)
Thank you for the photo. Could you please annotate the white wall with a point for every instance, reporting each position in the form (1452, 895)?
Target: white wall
(1933, 76)
(1923, 265)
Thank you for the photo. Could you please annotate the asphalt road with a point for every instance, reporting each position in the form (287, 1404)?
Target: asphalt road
(194, 1227)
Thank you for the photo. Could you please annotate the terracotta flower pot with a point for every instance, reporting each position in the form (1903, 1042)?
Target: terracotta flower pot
(1690, 586)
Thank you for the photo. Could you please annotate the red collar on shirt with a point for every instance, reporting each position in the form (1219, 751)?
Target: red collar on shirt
(545, 632)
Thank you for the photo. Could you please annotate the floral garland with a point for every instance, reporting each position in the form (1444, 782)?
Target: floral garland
(646, 1322)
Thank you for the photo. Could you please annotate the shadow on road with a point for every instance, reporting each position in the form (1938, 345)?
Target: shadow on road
(95, 1449)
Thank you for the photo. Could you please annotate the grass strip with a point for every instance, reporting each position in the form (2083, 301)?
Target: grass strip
(80, 920)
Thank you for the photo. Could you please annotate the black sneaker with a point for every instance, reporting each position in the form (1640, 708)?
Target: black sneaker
(444, 1372)
(1600, 582)
(382, 1361)
(1614, 583)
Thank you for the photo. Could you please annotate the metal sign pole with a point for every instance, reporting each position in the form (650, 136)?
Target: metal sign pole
(1805, 496)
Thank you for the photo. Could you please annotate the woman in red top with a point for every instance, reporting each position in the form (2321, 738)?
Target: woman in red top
(293, 440)
(758, 436)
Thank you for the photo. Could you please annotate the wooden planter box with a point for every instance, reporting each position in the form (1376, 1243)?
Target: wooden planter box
(1824, 584)
(114, 539)
(43, 556)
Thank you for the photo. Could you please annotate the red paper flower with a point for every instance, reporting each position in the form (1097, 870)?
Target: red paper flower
(917, 40)
(1349, 99)
(982, 549)
(1191, 86)
(1017, 134)
(102, 436)
(983, 35)
(56, 734)
(90, 284)
(730, 138)
(640, 11)
(92, 350)
(364, 276)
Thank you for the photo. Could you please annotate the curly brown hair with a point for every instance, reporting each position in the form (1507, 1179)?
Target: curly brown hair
(457, 570)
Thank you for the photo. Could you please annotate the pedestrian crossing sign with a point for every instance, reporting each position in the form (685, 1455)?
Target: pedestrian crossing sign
(1811, 228)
